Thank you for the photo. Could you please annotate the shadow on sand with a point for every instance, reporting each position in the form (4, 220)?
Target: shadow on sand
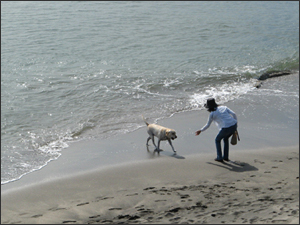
(161, 152)
(235, 166)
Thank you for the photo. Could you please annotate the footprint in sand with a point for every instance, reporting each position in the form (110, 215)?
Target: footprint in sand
(149, 188)
(69, 221)
(115, 209)
(291, 158)
(36, 216)
(175, 209)
(184, 196)
(254, 219)
(169, 214)
(257, 161)
(132, 194)
(175, 218)
(93, 217)
(56, 209)
(102, 198)
(128, 217)
(84, 203)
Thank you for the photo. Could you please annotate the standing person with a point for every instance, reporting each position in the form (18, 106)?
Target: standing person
(226, 121)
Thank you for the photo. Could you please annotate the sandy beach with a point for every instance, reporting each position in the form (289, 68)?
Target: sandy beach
(259, 185)
(262, 186)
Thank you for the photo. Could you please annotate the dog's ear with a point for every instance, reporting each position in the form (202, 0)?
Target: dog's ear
(167, 133)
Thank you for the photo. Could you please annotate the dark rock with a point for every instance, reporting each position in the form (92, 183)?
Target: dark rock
(272, 74)
(258, 84)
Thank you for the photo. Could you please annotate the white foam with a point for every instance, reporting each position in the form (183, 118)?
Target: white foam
(222, 94)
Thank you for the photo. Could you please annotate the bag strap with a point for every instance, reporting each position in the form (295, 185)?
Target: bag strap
(237, 133)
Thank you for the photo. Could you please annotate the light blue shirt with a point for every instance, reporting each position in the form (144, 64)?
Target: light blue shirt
(223, 117)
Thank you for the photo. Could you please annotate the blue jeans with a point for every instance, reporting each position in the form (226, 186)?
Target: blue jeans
(224, 134)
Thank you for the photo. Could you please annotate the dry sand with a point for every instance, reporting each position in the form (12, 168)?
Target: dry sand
(262, 186)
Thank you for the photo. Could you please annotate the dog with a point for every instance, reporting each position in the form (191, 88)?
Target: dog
(162, 133)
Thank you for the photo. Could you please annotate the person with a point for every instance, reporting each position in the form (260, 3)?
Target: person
(226, 120)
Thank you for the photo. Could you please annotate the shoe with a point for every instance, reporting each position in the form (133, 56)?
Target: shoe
(218, 160)
(227, 160)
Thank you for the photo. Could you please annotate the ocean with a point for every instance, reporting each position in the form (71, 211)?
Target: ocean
(73, 71)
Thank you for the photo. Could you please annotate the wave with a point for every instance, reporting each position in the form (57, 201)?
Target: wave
(285, 64)
(223, 93)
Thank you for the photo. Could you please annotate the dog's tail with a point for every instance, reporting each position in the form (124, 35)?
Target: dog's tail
(145, 120)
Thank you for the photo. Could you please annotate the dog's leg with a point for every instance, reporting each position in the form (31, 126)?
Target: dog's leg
(158, 143)
(170, 142)
(148, 141)
(148, 144)
(152, 137)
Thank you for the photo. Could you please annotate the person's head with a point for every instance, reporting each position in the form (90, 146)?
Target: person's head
(211, 105)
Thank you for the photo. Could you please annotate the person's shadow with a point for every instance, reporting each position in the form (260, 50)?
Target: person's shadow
(235, 166)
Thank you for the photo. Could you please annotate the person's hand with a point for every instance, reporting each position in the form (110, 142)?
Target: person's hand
(198, 132)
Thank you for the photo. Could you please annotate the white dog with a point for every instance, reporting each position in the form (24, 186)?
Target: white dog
(162, 133)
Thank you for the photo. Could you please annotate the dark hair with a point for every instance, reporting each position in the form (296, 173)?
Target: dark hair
(211, 105)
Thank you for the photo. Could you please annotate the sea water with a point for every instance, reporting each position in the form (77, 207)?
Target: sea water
(88, 70)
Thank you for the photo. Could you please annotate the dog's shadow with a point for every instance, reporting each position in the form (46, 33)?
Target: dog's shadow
(161, 152)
